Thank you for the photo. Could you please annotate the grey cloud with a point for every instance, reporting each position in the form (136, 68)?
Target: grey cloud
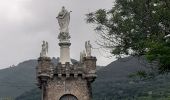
(22, 32)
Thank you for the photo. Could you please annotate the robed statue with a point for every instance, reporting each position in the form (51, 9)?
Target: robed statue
(44, 50)
(88, 48)
(63, 21)
(82, 55)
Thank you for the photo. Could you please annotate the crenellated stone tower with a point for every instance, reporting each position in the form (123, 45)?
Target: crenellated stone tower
(66, 81)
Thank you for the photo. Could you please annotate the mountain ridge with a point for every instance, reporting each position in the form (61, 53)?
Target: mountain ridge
(21, 78)
(112, 82)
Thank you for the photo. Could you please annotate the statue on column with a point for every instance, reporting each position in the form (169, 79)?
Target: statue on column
(63, 21)
(88, 48)
(44, 50)
(82, 55)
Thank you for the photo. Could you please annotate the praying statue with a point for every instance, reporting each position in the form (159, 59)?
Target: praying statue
(88, 48)
(44, 50)
(63, 21)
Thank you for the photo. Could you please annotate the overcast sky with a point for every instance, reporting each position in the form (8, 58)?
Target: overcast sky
(24, 24)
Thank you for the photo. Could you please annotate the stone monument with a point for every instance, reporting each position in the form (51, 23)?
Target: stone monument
(64, 36)
(66, 81)
(44, 50)
(88, 47)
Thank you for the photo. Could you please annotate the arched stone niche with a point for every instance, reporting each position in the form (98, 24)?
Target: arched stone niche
(68, 97)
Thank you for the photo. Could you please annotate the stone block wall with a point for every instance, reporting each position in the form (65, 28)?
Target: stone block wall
(66, 78)
(58, 87)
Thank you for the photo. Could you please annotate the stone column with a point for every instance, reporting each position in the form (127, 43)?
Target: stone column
(64, 52)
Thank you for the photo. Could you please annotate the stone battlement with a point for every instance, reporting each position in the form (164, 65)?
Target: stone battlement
(86, 69)
(69, 70)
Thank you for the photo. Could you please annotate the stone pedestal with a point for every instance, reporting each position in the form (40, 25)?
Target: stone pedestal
(64, 52)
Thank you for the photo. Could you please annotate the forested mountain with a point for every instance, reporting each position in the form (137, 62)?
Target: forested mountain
(112, 82)
(16, 80)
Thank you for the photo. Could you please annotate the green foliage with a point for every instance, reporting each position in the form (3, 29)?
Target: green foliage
(135, 27)
(161, 52)
(156, 89)
(141, 75)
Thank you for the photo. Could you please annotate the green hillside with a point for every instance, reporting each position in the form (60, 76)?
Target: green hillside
(16, 80)
(112, 82)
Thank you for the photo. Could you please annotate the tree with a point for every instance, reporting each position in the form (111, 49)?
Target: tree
(137, 28)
